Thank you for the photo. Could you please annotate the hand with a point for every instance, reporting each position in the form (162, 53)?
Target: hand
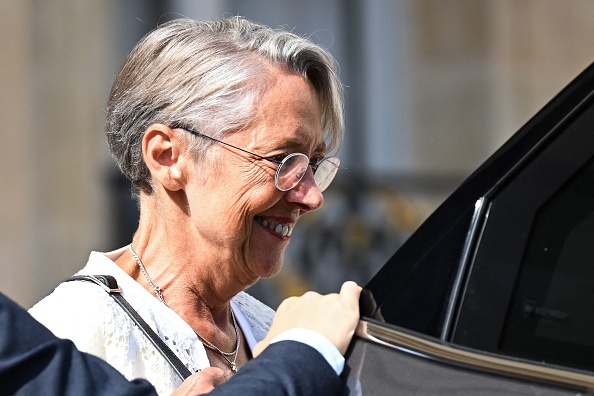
(201, 382)
(334, 316)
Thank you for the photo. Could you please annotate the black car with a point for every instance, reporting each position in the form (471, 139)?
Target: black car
(494, 293)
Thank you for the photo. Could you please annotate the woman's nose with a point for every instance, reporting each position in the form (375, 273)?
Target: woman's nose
(306, 193)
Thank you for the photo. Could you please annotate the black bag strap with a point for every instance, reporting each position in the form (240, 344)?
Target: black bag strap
(110, 285)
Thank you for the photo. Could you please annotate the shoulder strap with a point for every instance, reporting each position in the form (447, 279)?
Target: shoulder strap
(110, 285)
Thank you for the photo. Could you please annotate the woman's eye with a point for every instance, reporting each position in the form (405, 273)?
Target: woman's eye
(316, 159)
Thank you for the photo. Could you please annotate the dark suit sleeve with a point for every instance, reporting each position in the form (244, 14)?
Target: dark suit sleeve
(284, 368)
(35, 362)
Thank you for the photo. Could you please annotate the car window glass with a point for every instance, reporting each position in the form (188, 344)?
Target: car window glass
(531, 280)
(552, 302)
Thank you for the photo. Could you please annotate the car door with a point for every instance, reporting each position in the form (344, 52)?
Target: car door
(494, 293)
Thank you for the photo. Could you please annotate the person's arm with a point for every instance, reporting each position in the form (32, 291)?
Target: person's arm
(35, 362)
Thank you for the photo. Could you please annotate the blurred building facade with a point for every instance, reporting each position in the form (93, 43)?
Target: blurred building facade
(432, 88)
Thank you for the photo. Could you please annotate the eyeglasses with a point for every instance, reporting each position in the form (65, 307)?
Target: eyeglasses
(292, 167)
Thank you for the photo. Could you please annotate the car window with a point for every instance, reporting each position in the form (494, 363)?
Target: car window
(552, 303)
(531, 282)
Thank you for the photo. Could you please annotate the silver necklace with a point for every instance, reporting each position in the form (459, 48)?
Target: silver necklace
(205, 342)
(156, 289)
(234, 353)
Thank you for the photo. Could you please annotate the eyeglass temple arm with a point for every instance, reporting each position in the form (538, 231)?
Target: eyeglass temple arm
(225, 143)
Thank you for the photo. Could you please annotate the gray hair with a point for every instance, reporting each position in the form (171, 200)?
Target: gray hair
(206, 75)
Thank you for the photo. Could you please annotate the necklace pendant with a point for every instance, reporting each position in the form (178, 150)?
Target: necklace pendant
(159, 294)
(233, 367)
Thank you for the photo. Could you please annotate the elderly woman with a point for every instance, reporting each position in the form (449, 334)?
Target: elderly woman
(224, 129)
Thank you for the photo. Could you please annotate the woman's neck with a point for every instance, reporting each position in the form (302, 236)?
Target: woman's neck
(176, 261)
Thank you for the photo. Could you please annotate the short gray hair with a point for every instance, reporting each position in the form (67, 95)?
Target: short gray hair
(206, 75)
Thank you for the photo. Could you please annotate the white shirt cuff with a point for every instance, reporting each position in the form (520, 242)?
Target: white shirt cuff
(316, 341)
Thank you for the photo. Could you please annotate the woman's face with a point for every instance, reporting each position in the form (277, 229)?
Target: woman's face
(238, 213)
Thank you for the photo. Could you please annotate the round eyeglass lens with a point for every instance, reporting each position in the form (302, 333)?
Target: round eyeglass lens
(291, 171)
(293, 168)
(326, 171)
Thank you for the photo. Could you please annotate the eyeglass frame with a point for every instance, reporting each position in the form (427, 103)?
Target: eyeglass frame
(312, 163)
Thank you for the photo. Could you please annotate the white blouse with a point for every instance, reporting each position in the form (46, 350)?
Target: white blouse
(86, 314)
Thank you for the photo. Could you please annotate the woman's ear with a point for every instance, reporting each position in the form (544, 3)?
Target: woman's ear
(162, 151)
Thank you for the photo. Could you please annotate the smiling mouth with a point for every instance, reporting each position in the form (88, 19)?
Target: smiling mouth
(279, 228)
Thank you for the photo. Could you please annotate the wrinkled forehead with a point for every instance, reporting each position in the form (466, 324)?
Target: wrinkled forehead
(289, 115)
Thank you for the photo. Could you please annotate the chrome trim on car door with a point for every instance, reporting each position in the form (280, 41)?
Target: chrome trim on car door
(434, 349)
(478, 217)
